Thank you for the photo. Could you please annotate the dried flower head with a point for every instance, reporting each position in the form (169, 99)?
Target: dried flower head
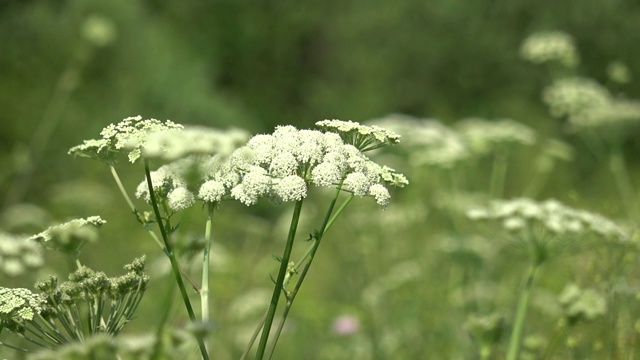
(550, 46)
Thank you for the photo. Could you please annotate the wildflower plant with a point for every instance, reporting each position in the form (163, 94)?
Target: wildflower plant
(212, 166)
(88, 303)
(545, 230)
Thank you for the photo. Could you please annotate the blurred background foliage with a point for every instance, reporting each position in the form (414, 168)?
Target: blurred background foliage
(68, 68)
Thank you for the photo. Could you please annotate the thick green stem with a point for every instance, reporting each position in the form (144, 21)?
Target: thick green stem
(204, 292)
(172, 258)
(623, 183)
(521, 312)
(284, 263)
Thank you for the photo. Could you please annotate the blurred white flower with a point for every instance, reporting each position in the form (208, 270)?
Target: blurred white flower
(484, 136)
(550, 46)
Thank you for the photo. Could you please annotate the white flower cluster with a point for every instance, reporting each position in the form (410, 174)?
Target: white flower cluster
(169, 183)
(173, 145)
(432, 143)
(550, 46)
(18, 255)
(363, 137)
(285, 162)
(571, 97)
(279, 166)
(590, 107)
(129, 134)
(523, 214)
(18, 305)
(620, 114)
(483, 136)
(71, 236)
(582, 304)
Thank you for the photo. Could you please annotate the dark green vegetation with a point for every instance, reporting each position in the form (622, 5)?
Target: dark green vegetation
(419, 276)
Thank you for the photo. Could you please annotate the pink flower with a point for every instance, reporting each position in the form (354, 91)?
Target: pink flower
(345, 325)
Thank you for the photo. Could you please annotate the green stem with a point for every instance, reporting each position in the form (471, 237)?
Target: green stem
(328, 221)
(204, 292)
(114, 173)
(132, 207)
(521, 312)
(254, 336)
(623, 183)
(560, 334)
(284, 263)
(498, 174)
(172, 257)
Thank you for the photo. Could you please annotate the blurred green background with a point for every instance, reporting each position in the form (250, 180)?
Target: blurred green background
(68, 68)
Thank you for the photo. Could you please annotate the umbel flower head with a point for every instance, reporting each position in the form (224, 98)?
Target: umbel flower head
(283, 164)
(169, 184)
(570, 97)
(483, 136)
(550, 46)
(589, 107)
(363, 137)
(192, 140)
(548, 225)
(429, 142)
(582, 304)
(128, 135)
(279, 166)
(69, 237)
(18, 306)
(18, 255)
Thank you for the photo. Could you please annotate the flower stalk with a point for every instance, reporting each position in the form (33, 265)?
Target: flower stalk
(172, 258)
(284, 263)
